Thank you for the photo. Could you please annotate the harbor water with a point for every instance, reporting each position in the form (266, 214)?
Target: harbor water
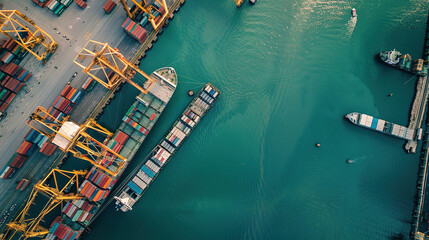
(289, 71)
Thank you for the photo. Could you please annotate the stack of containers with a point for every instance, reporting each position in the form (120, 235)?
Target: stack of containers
(64, 103)
(26, 148)
(59, 230)
(162, 155)
(48, 148)
(12, 76)
(41, 3)
(135, 125)
(109, 5)
(32, 140)
(116, 144)
(17, 160)
(11, 46)
(7, 172)
(56, 6)
(81, 3)
(79, 210)
(175, 136)
(92, 192)
(100, 179)
(144, 177)
(134, 30)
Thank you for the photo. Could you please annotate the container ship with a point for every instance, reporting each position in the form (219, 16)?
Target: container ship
(135, 126)
(143, 176)
(403, 62)
(384, 126)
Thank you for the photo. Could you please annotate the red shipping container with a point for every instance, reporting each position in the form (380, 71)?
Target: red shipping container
(3, 107)
(10, 98)
(121, 138)
(9, 173)
(19, 87)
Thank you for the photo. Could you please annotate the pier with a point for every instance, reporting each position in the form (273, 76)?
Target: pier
(419, 223)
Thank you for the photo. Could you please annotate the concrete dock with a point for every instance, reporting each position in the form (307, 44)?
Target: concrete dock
(419, 222)
(417, 110)
(48, 80)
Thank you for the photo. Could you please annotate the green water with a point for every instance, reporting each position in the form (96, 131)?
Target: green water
(288, 71)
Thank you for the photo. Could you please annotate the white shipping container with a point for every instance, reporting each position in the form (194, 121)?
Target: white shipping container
(152, 166)
(83, 216)
(395, 129)
(380, 125)
(362, 119)
(410, 134)
(139, 182)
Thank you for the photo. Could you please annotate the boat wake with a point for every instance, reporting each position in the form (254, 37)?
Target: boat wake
(351, 24)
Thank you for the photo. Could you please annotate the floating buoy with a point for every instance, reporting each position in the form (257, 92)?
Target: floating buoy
(391, 94)
(191, 93)
(317, 144)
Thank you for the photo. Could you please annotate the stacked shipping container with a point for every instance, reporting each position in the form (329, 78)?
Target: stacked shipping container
(65, 102)
(79, 210)
(134, 30)
(12, 76)
(59, 230)
(57, 7)
(81, 3)
(60, 108)
(109, 5)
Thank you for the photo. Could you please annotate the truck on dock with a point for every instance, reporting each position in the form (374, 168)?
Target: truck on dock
(22, 185)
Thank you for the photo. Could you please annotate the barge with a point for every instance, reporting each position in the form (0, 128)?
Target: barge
(144, 175)
(384, 126)
(135, 126)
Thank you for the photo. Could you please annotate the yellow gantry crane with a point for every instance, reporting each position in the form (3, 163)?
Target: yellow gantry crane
(109, 67)
(28, 227)
(75, 139)
(24, 32)
(149, 10)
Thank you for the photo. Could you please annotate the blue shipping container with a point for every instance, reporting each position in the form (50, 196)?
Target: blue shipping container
(135, 188)
(148, 171)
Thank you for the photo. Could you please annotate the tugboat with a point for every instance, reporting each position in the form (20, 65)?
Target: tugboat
(354, 12)
(403, 61)
(390, 57)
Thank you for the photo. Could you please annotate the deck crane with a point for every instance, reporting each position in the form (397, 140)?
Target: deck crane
(109, 67)
(75, 139)
(23, 31)
(150, 10)
(53, 188)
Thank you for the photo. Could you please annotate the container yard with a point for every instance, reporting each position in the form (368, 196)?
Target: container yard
(143, 176)
(38, 152)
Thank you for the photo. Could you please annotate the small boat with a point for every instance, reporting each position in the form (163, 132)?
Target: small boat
(349, 161)
(391, 57)
(354, 12)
